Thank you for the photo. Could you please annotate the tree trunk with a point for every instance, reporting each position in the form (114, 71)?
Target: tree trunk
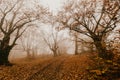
(102, 51)
(28, 53)
(76, 49)
(55, 53)
(4, 53)
(76, 44)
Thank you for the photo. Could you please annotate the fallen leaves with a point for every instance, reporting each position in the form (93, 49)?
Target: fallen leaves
(59, 68)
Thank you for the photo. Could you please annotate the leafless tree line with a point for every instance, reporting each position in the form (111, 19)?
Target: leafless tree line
(94, 19)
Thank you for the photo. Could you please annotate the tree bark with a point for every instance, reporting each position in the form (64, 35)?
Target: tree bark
(102, 51)
(4, 53)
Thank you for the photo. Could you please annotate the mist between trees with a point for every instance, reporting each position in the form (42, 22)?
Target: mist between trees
(80, 26)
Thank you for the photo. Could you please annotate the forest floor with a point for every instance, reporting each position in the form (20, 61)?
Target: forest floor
(58, 68)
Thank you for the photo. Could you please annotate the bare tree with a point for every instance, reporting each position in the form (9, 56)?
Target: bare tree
(74, 38)
(30, 42)
(51, 42)
(54, 36)
(76, 43)
(14, 20)
(93, 18)
(52, 39)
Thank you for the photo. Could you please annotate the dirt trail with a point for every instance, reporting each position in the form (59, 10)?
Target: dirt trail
(59, 68)
(49, 70)
(63, 68)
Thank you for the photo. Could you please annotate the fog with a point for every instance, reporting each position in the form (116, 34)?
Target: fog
(43, 34)
(34, 35)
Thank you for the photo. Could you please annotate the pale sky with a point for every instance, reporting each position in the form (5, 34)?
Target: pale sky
(54, 5)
